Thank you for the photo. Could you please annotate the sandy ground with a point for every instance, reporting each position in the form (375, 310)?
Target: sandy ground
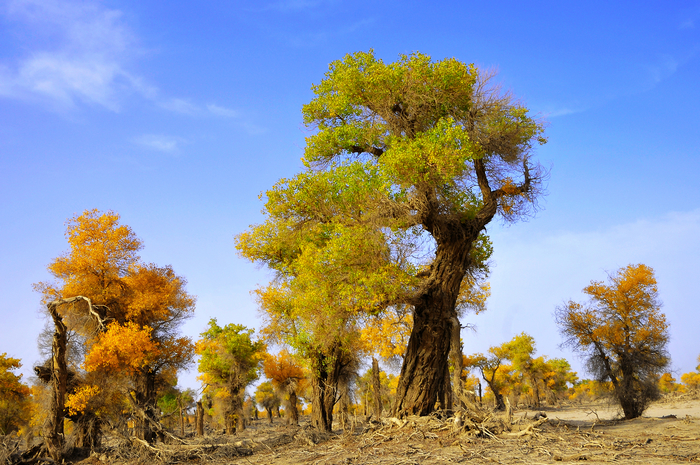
(604, 411)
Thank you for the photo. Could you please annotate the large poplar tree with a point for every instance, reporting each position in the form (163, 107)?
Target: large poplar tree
(415, 148)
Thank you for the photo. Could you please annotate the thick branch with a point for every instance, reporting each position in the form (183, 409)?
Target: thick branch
(91, 308)
(490, 200)
(376, 151)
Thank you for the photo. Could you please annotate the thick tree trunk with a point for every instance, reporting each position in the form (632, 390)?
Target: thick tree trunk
(434, 312)
(500, 403)
(319, 417)
(425, 366)
(377, 387)
(200, 419)
(324, 384)
(53, 435)
(89, 429)
(293, 412)
(143, 397)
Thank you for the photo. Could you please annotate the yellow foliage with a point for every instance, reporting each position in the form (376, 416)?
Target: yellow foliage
(77, 402)
(387, 334)
(691, 380)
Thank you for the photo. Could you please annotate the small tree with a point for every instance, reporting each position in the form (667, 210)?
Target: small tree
(106, 295)
(623, 335)
(229, 361)
(268, 399)
(288, 379)
(494, 372)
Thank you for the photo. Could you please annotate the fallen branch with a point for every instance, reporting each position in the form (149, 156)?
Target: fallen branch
(526, 431)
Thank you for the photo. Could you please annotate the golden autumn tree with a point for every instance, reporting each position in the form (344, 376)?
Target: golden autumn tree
(416, 147)
(494, 370)
(15, 396)
(622, 333)
(127, 312)
(691, 380)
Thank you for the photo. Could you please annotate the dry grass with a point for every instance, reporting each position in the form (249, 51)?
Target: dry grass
(587, 433)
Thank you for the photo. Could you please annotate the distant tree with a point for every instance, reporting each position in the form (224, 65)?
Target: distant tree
(692, 380)
(15, 396)
(266, 396)
(494, 371)
(667, 383)
(558, 378)
(622, 333)
(589, 390)
(229, 361)
(288, 378)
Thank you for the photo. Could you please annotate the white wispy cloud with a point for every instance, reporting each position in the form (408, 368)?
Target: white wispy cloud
(80, 54)
(83, 53)
(160, 142)
(222, 111)
(663, 68)
(182, 106)
(561, 111)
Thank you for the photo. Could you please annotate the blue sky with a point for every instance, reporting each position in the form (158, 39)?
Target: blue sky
(178, 114)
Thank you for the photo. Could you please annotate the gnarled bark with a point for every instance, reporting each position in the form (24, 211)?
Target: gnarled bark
(53, 431)
(425, 366)
(143, 400)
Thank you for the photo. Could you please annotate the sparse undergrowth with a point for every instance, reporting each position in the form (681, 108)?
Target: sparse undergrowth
(566, 434)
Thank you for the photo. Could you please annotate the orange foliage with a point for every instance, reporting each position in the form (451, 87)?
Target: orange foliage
(282, 369)
(101, 253)
(156, 294)
(122, 348)
(11, 386)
